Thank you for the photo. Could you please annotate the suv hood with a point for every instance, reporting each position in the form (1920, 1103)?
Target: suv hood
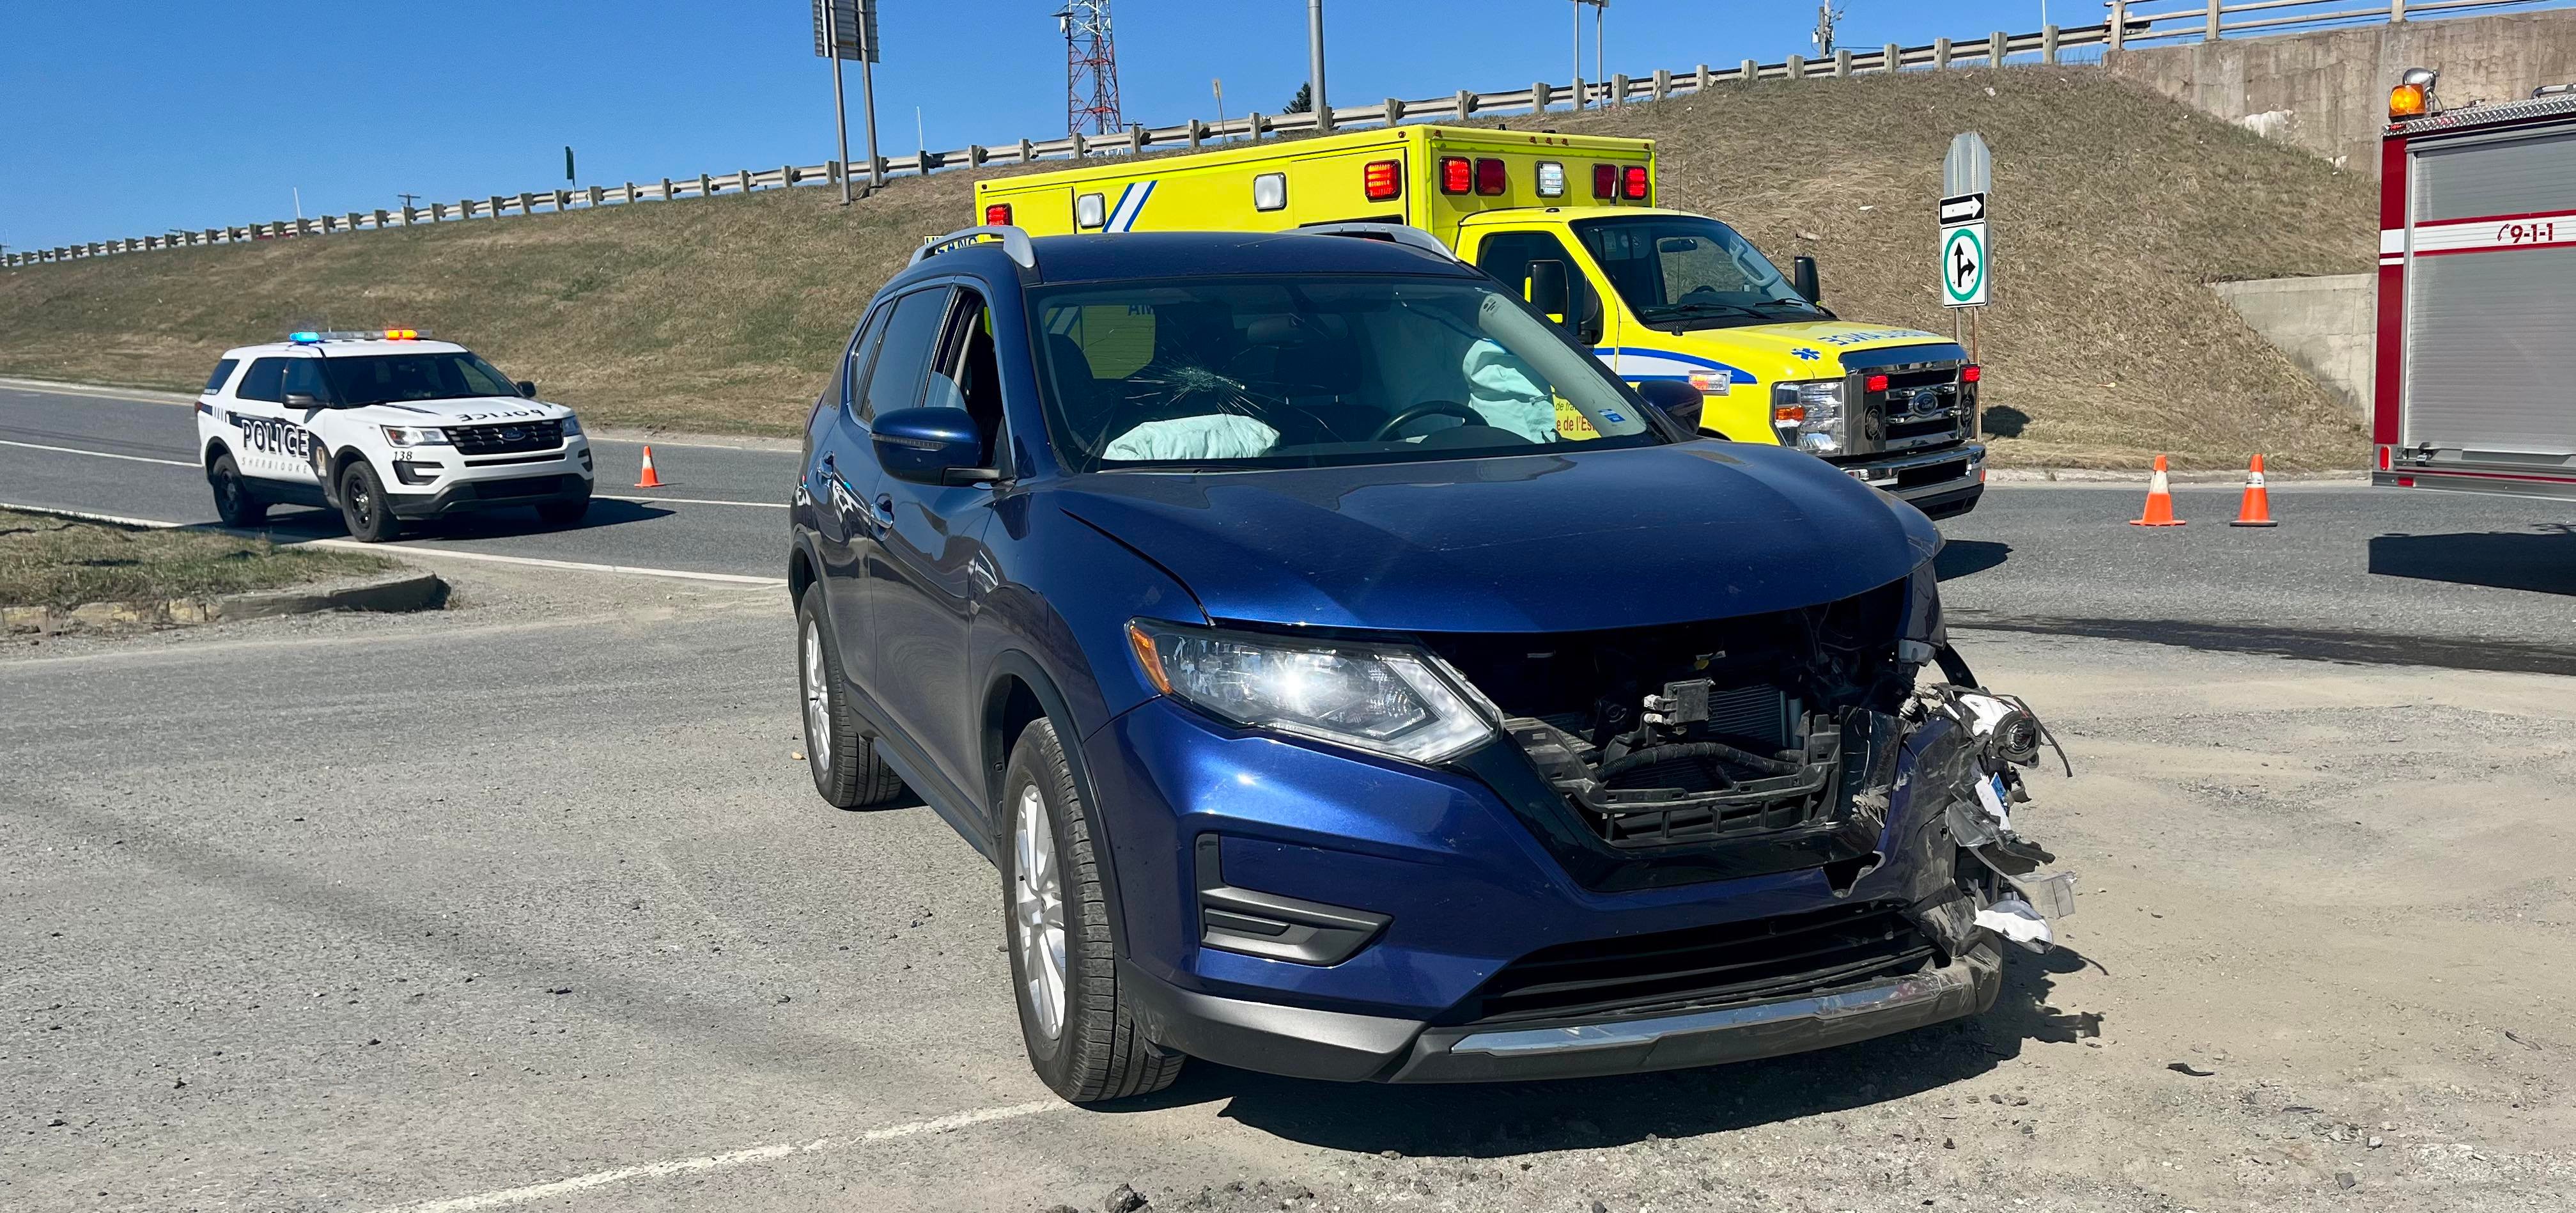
(1531, 543)
(470, 410)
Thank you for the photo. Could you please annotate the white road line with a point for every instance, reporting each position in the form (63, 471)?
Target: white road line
(451, 553)
(73, 450)
(766, 505)
(711, 1162)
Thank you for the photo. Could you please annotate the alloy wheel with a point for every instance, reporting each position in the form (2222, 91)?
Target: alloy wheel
(818, 700)
(1037, 899)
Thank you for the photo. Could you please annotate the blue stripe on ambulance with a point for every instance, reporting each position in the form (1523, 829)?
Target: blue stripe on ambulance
(1639, 365)
(1131, 203)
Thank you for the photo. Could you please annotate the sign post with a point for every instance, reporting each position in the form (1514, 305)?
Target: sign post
(1967, 258)
(847, 29)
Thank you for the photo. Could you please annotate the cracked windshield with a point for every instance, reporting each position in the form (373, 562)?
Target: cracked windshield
(1301, 373)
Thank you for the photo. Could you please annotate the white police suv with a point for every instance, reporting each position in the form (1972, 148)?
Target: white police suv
(384, 426)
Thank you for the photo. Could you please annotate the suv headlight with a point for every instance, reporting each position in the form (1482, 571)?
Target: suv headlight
(1395, 701)
(415, 435)
(571, 426)
(1809, 415)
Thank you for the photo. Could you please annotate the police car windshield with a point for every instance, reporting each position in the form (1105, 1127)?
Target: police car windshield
(428, 375)
(1683, 271)
(1311, 372)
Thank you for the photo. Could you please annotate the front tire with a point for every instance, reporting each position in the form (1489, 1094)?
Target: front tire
(364, 506)
(233, 500)
(846, 769)
(1083, 1038)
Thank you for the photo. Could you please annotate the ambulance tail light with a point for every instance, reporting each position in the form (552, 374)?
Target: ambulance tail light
(998, 215)
(1457, 175)
(1632, 183)
(1971, 373)
(1605, 181)
(1492, 178)
(1380, 180)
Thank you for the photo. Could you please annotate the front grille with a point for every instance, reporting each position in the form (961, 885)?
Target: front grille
(1672, 971)
(524, 486)
(1900, 431)
(508, 439)
(1937, 473)
(1899, 381)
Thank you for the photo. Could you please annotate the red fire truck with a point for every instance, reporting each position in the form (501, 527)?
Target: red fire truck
(2476, 383)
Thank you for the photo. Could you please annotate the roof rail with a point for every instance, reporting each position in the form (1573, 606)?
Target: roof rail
(1398, 233)
(1015, 244)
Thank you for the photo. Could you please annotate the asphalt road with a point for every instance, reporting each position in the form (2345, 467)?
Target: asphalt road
(2352, 573)
(294, 917)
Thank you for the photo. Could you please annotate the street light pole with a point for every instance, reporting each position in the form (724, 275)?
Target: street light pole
(1322, 109)
(1597, 68)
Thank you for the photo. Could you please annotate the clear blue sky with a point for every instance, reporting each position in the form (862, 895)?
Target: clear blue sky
(126, 119)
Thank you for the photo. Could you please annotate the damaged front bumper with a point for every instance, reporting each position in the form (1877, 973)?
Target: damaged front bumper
(1358, 1048)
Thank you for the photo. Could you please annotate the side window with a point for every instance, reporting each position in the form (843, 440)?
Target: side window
(903, 359)
(1508, 256)
(969, 375)
(265, 381)
(223, 372)
(304, 375)
(863, 347)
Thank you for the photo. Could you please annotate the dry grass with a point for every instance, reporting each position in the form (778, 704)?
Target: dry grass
(47, 560)
(2115, 209)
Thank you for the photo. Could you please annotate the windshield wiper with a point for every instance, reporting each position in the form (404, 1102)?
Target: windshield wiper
(1694, 309)
(1800, 304)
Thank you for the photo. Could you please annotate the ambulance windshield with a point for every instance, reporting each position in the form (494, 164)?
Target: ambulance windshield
(1684, 271)
(1295, 372)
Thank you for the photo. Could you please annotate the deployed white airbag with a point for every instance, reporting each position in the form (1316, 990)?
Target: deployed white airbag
(1220, 436)
(1508, 394)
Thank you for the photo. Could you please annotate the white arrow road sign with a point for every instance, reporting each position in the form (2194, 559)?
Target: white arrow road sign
(1964, 262)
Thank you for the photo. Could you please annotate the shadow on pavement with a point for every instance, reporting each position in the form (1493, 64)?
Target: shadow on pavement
(2542, 561)
(1962, 557)
(1493, 1120)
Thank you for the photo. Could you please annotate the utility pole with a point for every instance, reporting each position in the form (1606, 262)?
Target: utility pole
(1828, 16)
(408, 199)
(1323, 109)
(1219, 85)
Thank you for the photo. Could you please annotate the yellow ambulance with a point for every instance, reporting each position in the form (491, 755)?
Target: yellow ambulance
(1571, 222)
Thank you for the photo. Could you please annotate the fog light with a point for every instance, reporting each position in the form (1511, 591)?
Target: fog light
(1815, 443)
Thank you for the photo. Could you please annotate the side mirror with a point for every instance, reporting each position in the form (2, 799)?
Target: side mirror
(1802, 277)
(1549, 291)
(1676, 399)
(303, 400)
(930, 446)
(527, 388)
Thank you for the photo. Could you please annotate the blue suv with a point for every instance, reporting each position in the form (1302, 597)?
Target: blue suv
(1352, 678)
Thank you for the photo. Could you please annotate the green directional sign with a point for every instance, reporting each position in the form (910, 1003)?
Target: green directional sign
(1966, 268)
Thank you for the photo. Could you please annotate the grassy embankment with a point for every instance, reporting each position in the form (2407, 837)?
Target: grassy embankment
(2114, 210)
(51, 561)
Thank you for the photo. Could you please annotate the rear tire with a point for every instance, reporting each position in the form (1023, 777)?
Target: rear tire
(364, 506)
(1083, 1039)
(233, 500)
(563, 513)
(844, 762)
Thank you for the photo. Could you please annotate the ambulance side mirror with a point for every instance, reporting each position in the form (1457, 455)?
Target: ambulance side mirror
(1802, 278)
(1549, 291)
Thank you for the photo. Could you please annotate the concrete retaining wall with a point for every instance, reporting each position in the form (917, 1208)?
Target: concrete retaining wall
(2328, 92)
(2325, 325)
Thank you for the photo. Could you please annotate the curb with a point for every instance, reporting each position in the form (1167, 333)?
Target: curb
(402, 592)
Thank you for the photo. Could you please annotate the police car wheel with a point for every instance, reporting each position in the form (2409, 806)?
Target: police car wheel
(364, 507)
(845, 766)
(233, 501)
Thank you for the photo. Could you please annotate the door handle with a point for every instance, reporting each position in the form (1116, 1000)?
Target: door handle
(883, 512)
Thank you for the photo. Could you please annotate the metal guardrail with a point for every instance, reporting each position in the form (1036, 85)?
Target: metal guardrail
(2130, 23)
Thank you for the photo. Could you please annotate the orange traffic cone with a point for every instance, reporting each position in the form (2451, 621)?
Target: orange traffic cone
(2159, 500)
(2257, 509)
(648, 480)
